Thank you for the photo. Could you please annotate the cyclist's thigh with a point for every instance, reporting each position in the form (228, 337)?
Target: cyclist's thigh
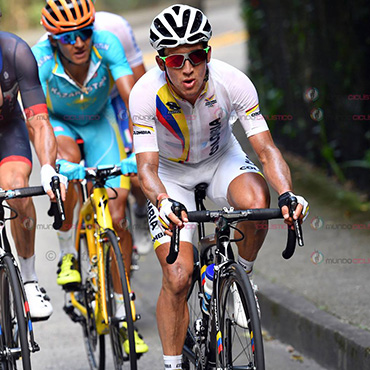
(182, 195)
(231, 165)
(103, 144)
(66, 139)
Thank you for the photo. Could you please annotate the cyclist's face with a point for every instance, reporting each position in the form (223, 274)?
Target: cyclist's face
(78, 53)
(188, 81)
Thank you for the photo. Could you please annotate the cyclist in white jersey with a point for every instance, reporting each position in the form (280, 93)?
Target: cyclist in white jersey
(182, 137)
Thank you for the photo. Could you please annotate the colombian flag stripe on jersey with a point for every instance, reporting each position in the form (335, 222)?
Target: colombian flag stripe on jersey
(173, 120)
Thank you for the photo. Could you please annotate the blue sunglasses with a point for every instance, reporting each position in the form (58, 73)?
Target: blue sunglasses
(71, 37)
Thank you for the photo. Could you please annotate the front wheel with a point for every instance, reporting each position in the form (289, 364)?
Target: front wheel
(239, 339)
(94, 343)
(121, 329)
(14, 349)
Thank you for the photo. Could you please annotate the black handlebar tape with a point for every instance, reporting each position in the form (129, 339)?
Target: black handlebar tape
(199, 216)
(175, 238)
(264, 214)
(290, 245)
(23, 192)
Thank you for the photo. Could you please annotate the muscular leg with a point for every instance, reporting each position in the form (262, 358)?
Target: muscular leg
(250, 190)
(172, 309)
(137, 192)
(16, 175)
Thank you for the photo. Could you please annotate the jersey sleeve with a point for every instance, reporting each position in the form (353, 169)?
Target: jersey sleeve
(113, 53)
(44, 56)
(28, 76)
(244, 98)
(142, 111)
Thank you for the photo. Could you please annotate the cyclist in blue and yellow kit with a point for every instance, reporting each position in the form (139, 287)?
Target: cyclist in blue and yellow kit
(78, 67)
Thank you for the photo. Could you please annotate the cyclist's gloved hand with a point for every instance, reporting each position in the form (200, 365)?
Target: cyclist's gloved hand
(285, 200)
(73, 171)
(47, 172)
(165, 208)
(128, 165)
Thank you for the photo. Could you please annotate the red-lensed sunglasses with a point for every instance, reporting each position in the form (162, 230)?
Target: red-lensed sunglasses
(195, 57)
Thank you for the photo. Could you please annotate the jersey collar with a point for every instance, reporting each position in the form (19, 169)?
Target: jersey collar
(95, 62)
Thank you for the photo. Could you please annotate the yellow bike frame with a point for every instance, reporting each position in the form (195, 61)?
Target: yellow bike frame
(97, 218)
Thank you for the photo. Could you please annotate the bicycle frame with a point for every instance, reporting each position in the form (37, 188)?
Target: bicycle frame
(224, 256)
(55, 210)
(95, 214)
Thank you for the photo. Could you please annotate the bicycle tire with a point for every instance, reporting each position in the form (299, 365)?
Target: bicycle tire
(94, 343)
(194, 346)
(13, 321)
(241, 335)
(114, 261)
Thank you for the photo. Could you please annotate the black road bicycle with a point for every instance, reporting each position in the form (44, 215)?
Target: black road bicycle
(16, 332)
(228, 334)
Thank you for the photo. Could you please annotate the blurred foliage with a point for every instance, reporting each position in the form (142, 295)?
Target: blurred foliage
(24, 14)
(310, 61)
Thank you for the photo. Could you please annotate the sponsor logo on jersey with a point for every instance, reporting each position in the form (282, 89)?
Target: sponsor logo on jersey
(173, 107)
(102, 46)
(254, 111)
(210, 102)
(145, 132)
(44, 59)
(250, 165)
(215, 128)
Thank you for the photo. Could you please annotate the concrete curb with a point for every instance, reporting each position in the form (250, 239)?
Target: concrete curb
(323, 337)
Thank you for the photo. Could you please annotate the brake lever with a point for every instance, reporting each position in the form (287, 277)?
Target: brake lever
(296, 223)
(175, 238)
(56, 208)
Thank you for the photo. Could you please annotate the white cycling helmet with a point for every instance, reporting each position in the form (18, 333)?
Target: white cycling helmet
(178, 25)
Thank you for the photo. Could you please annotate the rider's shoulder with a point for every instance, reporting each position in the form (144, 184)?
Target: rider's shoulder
(12, 40)
(105, 40)
(226, 74)
(106, 20)
(219, 68)
(43, 52)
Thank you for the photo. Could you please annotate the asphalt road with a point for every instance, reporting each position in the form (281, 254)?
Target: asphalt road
(59, 338)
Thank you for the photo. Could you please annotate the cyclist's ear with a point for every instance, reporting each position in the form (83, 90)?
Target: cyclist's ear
(52, 41)
(160, 62)
(209, 54)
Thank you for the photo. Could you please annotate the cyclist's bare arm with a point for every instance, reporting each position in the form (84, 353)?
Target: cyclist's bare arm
(275, 168)
(152, 186)
(138, 71)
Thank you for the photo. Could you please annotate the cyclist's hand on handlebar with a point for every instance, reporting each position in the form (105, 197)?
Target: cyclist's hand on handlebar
(300, 212)
(128, 165)
(167, 218)
(47, 173)
(73, 171)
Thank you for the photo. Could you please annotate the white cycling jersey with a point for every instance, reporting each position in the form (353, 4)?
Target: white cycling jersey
(181, 132)
(122, 29)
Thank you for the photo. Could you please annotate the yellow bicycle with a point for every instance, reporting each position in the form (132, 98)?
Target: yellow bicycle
(92, 303)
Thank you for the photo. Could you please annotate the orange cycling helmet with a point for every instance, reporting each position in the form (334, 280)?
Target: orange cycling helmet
(60, 16)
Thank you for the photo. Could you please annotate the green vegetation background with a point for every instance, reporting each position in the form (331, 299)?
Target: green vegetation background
(310, 62)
